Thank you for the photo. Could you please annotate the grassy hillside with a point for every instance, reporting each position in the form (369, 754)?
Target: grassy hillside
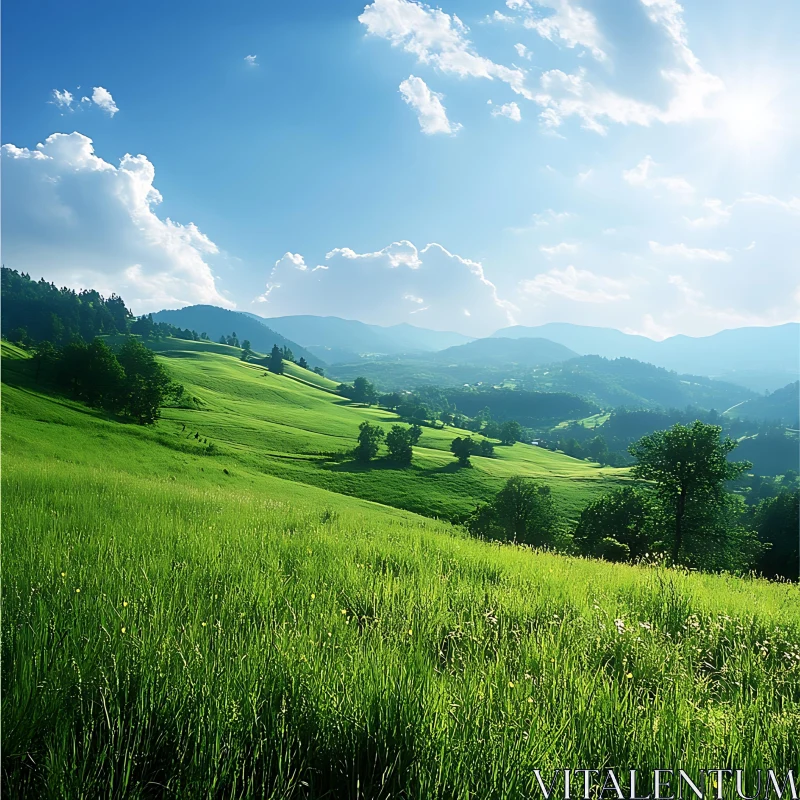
(171, 629)
(278, 425)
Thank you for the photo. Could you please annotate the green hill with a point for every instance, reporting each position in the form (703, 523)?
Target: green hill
(294, 427)
(187, 619)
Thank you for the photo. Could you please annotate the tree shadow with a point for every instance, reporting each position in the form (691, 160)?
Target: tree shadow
(450, 469)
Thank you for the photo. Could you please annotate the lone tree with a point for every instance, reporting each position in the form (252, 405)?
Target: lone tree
(688, 465)
(523, 511)
(246, 350)
(400, 442)
(276, 360)
(510, 432)
(302, 363)
(462, 449)
(369, 440)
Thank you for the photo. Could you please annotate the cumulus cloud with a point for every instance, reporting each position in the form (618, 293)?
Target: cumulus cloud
(431, 114)
(564, 95)
(435, 38)
(102, 97)
(567, 24)
(441, 289)
(85, 223)
(578, 285)
(509, 110)
(523, 51)
(689, 253)
(63, 99)
(642, 175)
(716, 213)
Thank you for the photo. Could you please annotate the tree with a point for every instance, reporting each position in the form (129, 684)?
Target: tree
(415, 431)
(364, 392)
(246, 350)
(462, 449)
(523, 511)
(276, 360)
(485, 449)
(688, 465)
(319, 371)
(302, 363)
(369, 440)
(510, 432)
(45, 357)
(400, 442)
(776, 522)
(597, 449)
(147, 384)
(103, 377)
(390, 401)
(618, 526)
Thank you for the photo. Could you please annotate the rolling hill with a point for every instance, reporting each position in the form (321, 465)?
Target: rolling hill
(522, 352)
(759, 358)
(782, 405)
(155, 587)
(218, 322)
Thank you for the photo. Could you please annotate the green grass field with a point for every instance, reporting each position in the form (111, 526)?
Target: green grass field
(173, 630)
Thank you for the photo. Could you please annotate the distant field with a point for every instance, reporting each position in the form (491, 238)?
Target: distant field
(191, 625)
(273, 424)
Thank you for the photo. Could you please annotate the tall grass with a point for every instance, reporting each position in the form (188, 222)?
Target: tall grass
(162, 638)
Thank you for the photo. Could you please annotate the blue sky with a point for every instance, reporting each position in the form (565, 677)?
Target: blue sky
(627, 163)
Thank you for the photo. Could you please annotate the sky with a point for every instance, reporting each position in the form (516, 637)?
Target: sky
(624, 163)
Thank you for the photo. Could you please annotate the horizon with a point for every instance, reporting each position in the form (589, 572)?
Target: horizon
(463, 168)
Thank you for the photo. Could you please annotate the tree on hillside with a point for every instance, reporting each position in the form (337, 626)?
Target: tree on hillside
(400, 443)
(302, 363)
(104, 378)
(777, 523)
(485, 448)
(276, 360)
(44, 359)
(147, 385)
(364, 392)
(619, 526)
(523, 511)
(462, 449)
(246, 350)
(369, 440)
(415, 431)
(319, 371)
(510, 432)
(688, 465)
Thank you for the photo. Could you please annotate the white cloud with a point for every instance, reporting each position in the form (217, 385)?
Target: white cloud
(791, 206)
(689, 253)
(568, 24)
(62, 99)
(510, 110)
(85, 223)
(523, 51)
(102, 98)
(437, 39)
(431, 114)
(641, 175)
(579, 285)
(251, 61)
(716, 213)
(498, 16)
(388, 285)
(563, 248)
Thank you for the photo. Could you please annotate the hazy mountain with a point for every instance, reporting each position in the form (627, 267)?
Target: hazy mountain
(348, 337)
(218, 322)
(760, 358)
(497, 352)
(782, 405)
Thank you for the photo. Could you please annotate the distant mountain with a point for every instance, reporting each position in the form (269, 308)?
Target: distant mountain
(349, 338)
(760, 358)
(218, 322)
(782, 405)
(513, 352)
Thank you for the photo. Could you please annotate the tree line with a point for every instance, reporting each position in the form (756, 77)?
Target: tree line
(130, 382)
(681, 510)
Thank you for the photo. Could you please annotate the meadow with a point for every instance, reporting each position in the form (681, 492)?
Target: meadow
(186, 624)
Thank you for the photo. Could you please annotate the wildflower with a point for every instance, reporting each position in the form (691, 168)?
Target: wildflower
(204, 624)
(123, 630)
(620, 624)
(410, 632)
(77, 591)
(628, 674)
(124, 603)
(63, 574)
(511, 684)
(313, 596)
(530, 699)
(344, 611)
